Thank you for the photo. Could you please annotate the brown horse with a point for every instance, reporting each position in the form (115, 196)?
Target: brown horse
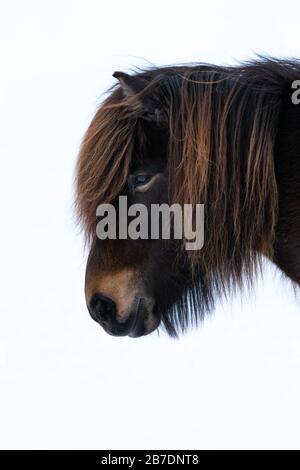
(227, 137)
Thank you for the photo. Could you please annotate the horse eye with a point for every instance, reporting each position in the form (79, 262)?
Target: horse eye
(140, 180)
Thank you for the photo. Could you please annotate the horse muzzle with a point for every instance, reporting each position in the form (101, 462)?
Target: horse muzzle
(140, 321)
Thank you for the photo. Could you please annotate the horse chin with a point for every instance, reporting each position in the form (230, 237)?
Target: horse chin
(140, 328)
(144, 326)
(145, 321)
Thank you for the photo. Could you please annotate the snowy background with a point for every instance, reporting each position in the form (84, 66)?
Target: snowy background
(64, 383)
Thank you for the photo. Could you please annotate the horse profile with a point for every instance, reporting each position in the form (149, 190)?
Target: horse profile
(225, 137)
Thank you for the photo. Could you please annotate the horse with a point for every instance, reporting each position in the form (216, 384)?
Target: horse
(227, 137)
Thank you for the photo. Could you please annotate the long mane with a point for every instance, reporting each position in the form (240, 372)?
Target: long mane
(222, 124)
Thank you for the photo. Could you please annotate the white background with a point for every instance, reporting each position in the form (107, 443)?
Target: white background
(64, 383)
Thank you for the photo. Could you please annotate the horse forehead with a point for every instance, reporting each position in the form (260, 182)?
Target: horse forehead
(147, 162)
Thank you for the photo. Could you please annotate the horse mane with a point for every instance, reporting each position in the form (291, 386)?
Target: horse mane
(222, 124)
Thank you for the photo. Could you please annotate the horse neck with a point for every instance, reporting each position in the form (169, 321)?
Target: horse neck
(287, 148)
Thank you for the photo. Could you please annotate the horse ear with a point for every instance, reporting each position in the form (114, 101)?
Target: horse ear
(130, 85)
(147, 105)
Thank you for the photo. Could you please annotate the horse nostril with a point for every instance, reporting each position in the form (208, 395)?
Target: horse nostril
(102, 309)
